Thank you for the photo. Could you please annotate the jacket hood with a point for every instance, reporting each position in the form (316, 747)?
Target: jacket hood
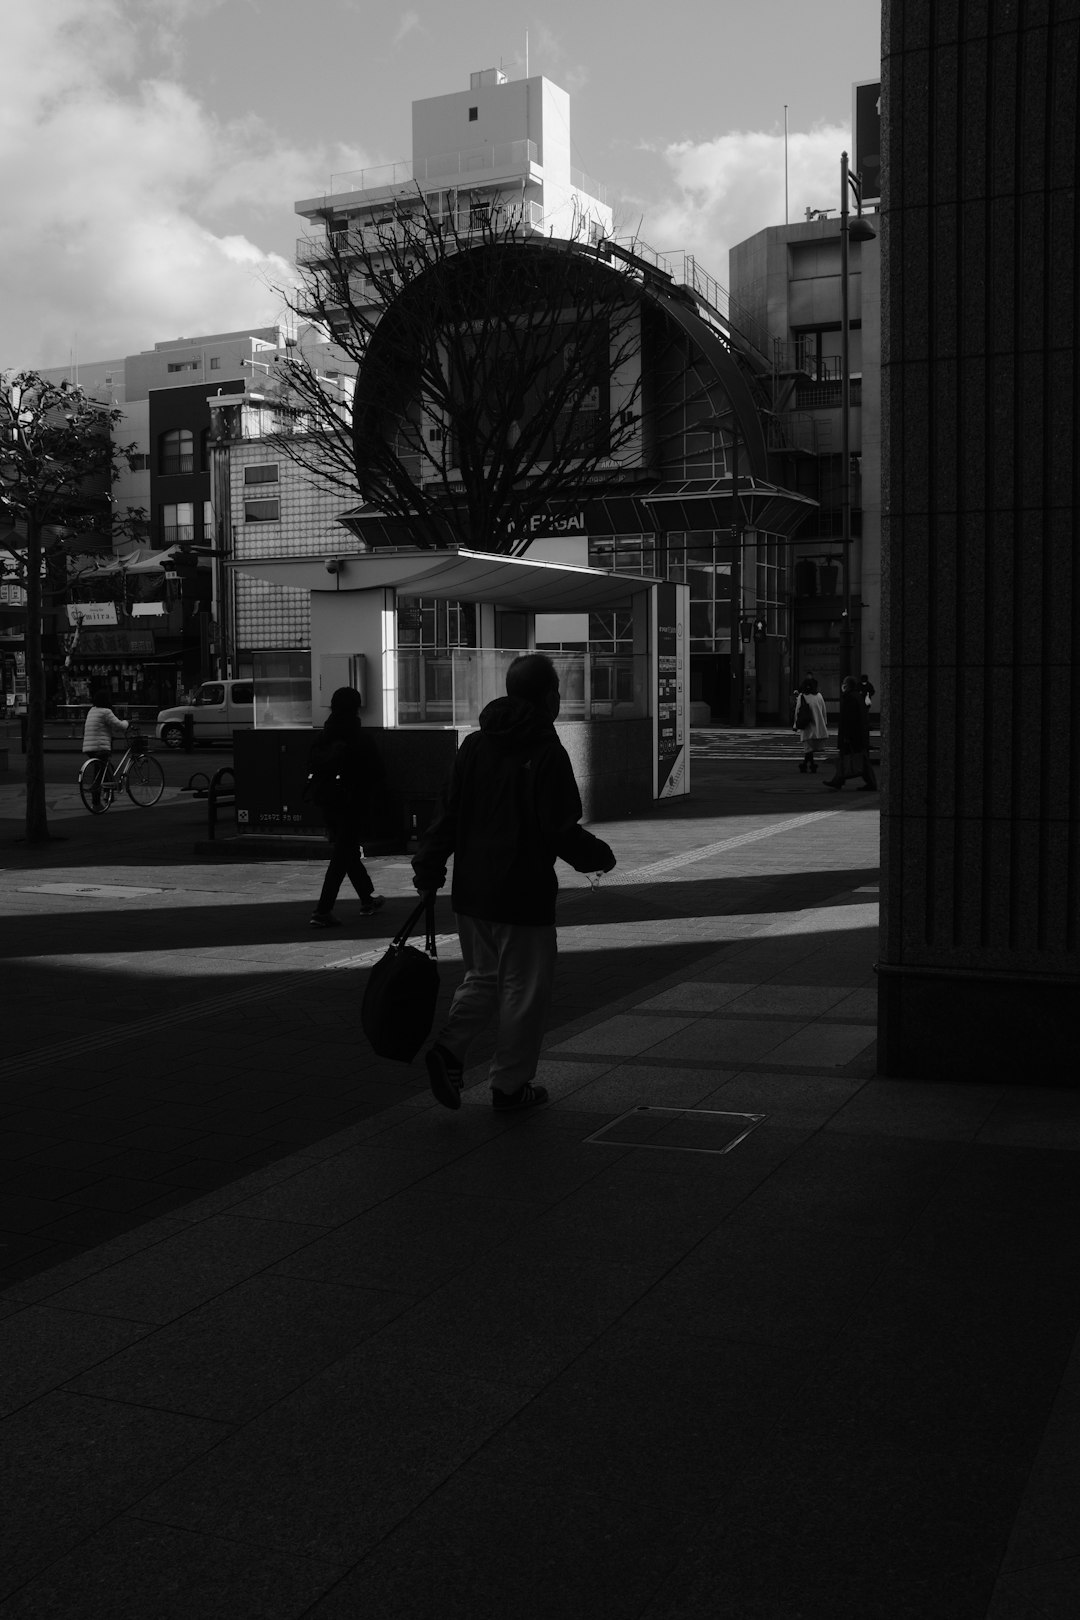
(512, 723)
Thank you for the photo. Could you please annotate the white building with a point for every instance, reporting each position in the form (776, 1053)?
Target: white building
(502, 147)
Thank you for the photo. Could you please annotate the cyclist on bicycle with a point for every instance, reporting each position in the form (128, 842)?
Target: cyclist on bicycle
(98, 732)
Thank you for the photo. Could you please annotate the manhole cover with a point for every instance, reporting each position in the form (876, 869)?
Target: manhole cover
(682, 1130)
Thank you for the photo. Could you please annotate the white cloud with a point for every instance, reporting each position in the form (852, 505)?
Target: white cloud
(726, 189)
(125, 200)
(409, 24)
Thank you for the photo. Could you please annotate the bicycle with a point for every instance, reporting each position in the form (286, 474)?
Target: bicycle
(137, 771)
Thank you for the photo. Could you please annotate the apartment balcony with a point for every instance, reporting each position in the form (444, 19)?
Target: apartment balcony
(467, 220)
(477, 165)
(827, 394)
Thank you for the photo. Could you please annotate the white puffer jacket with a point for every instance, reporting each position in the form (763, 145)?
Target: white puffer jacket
(100, 729)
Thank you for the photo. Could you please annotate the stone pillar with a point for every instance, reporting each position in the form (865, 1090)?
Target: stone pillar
(981, 481)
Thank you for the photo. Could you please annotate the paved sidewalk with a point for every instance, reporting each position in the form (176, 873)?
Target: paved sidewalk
(732, 1329)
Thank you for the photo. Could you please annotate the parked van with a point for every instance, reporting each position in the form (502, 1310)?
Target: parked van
(217, 710)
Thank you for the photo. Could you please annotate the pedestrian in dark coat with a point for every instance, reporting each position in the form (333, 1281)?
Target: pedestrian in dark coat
(510, 809)
(345, 771)
(853, 739)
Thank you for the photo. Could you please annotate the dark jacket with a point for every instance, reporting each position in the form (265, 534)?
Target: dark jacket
(509, 810)
(853, 729)
(345, 770)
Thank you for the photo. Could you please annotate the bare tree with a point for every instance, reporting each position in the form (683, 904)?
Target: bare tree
(496, 371)
(57, 465)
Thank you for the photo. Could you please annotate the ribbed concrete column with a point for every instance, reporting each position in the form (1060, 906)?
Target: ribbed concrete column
(980, 970)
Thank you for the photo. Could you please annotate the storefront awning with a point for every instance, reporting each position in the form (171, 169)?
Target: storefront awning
(459, 576)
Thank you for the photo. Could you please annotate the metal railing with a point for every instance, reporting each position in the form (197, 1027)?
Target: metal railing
(685, 271)
(444, 166)
(372, 239)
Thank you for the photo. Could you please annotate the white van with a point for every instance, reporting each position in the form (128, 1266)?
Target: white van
(217, 710)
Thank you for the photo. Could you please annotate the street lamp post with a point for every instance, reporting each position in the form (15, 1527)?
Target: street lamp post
(851, 230)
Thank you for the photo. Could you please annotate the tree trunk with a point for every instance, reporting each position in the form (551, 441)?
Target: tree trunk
(37, 823)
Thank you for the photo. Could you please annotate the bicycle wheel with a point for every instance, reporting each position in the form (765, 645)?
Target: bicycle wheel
(96, 786)
(145, 780)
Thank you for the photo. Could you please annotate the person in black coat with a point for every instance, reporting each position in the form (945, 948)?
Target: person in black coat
(853, 739)
(509, 811)
(346, 769)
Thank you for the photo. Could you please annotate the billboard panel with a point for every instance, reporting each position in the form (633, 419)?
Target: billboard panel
(866, 137)
(671, 652)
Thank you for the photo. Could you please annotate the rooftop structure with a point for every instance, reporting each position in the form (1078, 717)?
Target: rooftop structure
(502, 146)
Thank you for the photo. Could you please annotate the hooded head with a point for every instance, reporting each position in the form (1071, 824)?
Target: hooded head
(533, 679)
(346, 703)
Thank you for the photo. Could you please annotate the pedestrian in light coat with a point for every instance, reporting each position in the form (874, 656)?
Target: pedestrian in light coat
(810, 706)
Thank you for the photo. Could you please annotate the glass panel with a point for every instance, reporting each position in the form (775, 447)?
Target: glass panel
(282, 682)
(451, 688)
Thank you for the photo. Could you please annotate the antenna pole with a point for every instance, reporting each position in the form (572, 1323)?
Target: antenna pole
(526, 53)
(785, 166)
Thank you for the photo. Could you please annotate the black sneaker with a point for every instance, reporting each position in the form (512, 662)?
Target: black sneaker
(323, 919)
(526, 1096)
(446, 1076)
(372, 904)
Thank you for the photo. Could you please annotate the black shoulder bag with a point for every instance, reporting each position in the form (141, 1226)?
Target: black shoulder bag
(398, 1008)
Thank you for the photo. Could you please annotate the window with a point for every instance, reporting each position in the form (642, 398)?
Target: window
(177, 523)
(479, 216)
(138, 462)
(474, 113)
(208, 520)
(210, 695)
(264, 472)
(176, 451)
(215, 363)
(182, 365)
(262, 511)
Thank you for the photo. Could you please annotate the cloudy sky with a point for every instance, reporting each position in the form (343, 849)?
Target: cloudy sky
(151, 151)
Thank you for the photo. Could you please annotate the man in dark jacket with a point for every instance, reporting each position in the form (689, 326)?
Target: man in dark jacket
(510, 809)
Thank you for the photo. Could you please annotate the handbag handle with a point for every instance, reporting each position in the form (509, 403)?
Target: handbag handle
(427, 903)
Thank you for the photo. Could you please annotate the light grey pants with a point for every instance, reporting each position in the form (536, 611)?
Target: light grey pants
(509, 968)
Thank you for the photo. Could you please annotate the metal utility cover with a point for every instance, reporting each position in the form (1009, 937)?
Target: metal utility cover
(680, 1130)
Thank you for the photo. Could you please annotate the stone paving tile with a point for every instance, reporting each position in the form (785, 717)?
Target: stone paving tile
(1035, 1117)
(823, 1044)
(41, 1346)
(184, 1270)
(134, 1569)
(234, 1356)
(863, 1186)
(786, 1000)
(71, 1464)
(334, 1466)
(628, 1085)
(693, 996)
(727, 1042)
(414, 1242)
(533, 1556)
(786, 1099)
(913, 1108)
(860, 1005)
(626, 1034)
(649, 1416)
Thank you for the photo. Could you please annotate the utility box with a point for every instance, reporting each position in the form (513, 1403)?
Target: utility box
(271, 770)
